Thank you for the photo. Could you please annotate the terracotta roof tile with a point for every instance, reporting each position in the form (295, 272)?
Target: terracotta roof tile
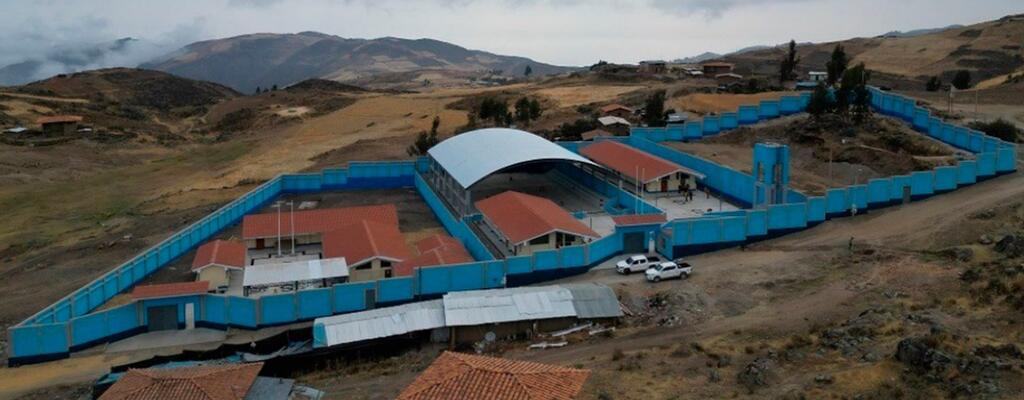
(434, 241)
(451, 253)
(521, 217)
(213, 382)
(613, 107)
(315, 221)
(170, 289)
(228, 253)
(631, 162)
(365, 240)
(463, 376)
(639, 219)
(58, 119)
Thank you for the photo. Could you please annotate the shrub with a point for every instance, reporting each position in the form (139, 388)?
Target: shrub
(999, 128)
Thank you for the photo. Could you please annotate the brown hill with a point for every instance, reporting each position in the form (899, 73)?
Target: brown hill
(137, 87)
(990, 50)
(266, 59)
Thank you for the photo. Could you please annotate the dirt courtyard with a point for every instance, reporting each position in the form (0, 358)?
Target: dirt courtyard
(879, 148)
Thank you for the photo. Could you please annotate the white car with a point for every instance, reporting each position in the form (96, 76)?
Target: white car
(668, 270)
(637, 263)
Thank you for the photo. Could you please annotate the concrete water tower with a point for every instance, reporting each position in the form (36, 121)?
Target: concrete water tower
(771, 173)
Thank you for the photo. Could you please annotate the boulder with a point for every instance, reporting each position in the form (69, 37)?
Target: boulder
(1011, 246)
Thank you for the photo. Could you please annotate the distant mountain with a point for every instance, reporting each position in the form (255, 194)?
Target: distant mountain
(919, 32)
(69, 59)
(697, 58)
(749, 49)
(265, 59)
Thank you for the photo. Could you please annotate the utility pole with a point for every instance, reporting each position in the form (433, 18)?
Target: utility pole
(292, 204)
(277, 205)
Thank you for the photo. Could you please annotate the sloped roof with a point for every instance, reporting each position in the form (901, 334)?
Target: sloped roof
(615, 106)
(633, 162)
(434, 241)
(58, 119)
(463, 376)
(521, 217)
(295, 271)
(381, 322)
(228, 253)
(610, 120)
(446, 254)
(315, 221)
(365, 240)
(170, 289)
(492, 306)
(472, 156)
(209, 382)
(593, 133)
(592, 300)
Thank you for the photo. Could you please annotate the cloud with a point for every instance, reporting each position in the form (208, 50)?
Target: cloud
(709, 8)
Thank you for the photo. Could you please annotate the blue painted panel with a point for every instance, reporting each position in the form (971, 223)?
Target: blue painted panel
(948, 134)
(748, 115)
(728, 120)
(898, 183)
(757, 223)
(350, 297)
(945, 178)
(858, 196)
(816, 209)
(547, 259)
(879, 191)
(837, 200)
(494, 272)
(789, 105)
(705, 231)
(1006, 159)
(573, 256)
(88, 328)
(986, 164)
(27, 341)
(787, 216)
(768, 109)
(314, 303)
(921, 117)
(242, 311)
(395, 289)
(934, 127)
(604, 247)
(692, 130)
(991, 144)
(519, 265)
(734, 229)
(967, 172)
(922, 183)
(976, 142)
(467, 277)
(214, 310)
(710, 125)
(961, 140)
(278, 309)
(122, 319)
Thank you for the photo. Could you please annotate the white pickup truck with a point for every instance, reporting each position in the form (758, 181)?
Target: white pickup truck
(637, 263)
(668, 270)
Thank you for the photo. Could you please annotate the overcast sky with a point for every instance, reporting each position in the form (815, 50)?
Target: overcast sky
(565, 32)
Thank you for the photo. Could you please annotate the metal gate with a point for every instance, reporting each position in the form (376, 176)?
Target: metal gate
(162, 318)
(634, 242)
(370, 298)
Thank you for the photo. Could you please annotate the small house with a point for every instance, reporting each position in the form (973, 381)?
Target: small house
(217, 260)
(59, 124)
(618, 126)
(205, 382)
(653, 173)
(617, 110)
(529, 223)
(261, 231)
(817, 76)
(653, 67)
(371, 248)
(715, 68)
(728, 79)
(595, 133)
(433, 251)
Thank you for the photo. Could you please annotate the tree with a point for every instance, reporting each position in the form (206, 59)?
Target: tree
(497, 110)
(853, 94)
(424, 141)
(819, 103)
(654, 109)
(528, 70)
(999, 128)
(257, 90)
(274, 88)
(789, 63)
(523, 110)
(837, 65)
(535, 110)
(962, 79)
(934, 84)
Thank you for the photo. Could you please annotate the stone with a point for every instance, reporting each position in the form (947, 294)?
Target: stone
(985, 239)
(824, 379)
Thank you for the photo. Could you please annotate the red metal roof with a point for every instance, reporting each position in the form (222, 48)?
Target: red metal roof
(463, 376)
(228, 253)
(365, 240)
(639, 219)
(58, 119)
(450, 251)
(170, 289)
(631, 162)
(315, 221)
(208, 382)
(521, 217)
(613, 107)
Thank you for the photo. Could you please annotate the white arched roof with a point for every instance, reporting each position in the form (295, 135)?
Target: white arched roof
(474, 155)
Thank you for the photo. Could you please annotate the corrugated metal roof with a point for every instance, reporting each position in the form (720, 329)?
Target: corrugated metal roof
(382, 322)
(296, 271)
(472, 156)
(478, 307)
(594, 301)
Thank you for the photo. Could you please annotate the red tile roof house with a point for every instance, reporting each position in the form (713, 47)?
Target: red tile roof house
(617, 110)
(59, 124)
(216, 260)
(206, 382)
(433, 251)
(260, 231)
(370, 249)
(169, 306)
(530, 223)
(632, 165)
(458, 376)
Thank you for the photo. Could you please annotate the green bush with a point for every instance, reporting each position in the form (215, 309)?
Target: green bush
(999, 128)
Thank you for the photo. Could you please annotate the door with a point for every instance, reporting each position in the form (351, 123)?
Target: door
(634, 242)
(906, 194)
(190, 316)
(162, 318)
(664, 184)
(371, 298)
(260, 244)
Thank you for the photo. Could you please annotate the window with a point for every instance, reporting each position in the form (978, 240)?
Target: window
(539, 240)
(364, 267)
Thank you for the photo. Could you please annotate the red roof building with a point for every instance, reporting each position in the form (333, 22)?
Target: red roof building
(170, 290)
(463, 376)
(632, 162)
(58, 119)
(224, 253)
(306, 222)
(521, 217)
(434, 250)
(639, 219)
(211, 382)
(365, 241)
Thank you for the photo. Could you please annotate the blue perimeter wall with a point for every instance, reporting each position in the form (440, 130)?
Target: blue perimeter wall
(68, 325)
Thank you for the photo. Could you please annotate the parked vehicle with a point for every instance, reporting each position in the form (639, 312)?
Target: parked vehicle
(637, 263)
(668, 270)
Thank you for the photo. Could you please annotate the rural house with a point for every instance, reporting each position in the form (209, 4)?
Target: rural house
(458, 376)
(59, 124)
(617, 110)
(618, 126)
(529, 223)
(634, 166)
(261, 231)
(653, 67)
(205, 382)
(371, 248)
(216, 260)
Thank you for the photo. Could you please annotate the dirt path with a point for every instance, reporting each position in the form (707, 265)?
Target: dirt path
(45, 98)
